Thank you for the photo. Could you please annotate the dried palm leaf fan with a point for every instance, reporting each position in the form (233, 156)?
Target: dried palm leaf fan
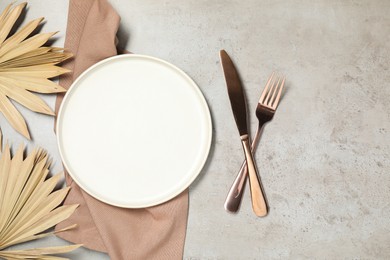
(26, 66)
(28, 205)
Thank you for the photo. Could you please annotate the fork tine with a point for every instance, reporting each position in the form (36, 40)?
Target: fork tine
(272, 90)
(265, 91)
(277, 99)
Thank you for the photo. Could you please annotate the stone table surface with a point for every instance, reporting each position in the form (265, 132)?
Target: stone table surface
(324, 159)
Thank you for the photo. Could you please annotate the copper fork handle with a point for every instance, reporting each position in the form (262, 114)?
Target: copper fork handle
(234, 197)
(259, 205)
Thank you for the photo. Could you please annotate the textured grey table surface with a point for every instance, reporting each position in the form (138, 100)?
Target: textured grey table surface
(324, 159)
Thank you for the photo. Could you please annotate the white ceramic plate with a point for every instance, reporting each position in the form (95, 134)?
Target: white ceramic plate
(134, 131)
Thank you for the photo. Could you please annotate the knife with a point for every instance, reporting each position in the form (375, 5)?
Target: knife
(237, 101)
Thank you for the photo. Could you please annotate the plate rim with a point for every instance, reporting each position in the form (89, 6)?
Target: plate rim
(201, 98)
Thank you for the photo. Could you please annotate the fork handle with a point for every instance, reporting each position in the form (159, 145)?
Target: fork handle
(234, 197)
(259, 205)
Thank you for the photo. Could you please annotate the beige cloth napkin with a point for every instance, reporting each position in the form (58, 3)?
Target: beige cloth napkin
(152, 233)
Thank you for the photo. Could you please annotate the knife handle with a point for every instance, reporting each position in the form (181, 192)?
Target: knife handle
(259, 205)
(234, 197)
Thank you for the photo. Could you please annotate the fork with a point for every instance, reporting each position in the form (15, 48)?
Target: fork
(265, 111)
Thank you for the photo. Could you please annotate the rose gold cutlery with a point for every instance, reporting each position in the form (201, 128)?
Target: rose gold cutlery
(265, 111)
(238, 104)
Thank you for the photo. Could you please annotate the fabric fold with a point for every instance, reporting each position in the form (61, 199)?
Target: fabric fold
(152, 233)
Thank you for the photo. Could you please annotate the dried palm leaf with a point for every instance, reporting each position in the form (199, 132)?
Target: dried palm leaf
(26, 65)
(28, 205)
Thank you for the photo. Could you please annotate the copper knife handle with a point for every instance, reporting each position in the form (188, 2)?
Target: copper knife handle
(259, 205)
(234, 197)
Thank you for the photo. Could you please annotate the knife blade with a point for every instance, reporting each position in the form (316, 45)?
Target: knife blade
(236, 93)
(238, 104)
